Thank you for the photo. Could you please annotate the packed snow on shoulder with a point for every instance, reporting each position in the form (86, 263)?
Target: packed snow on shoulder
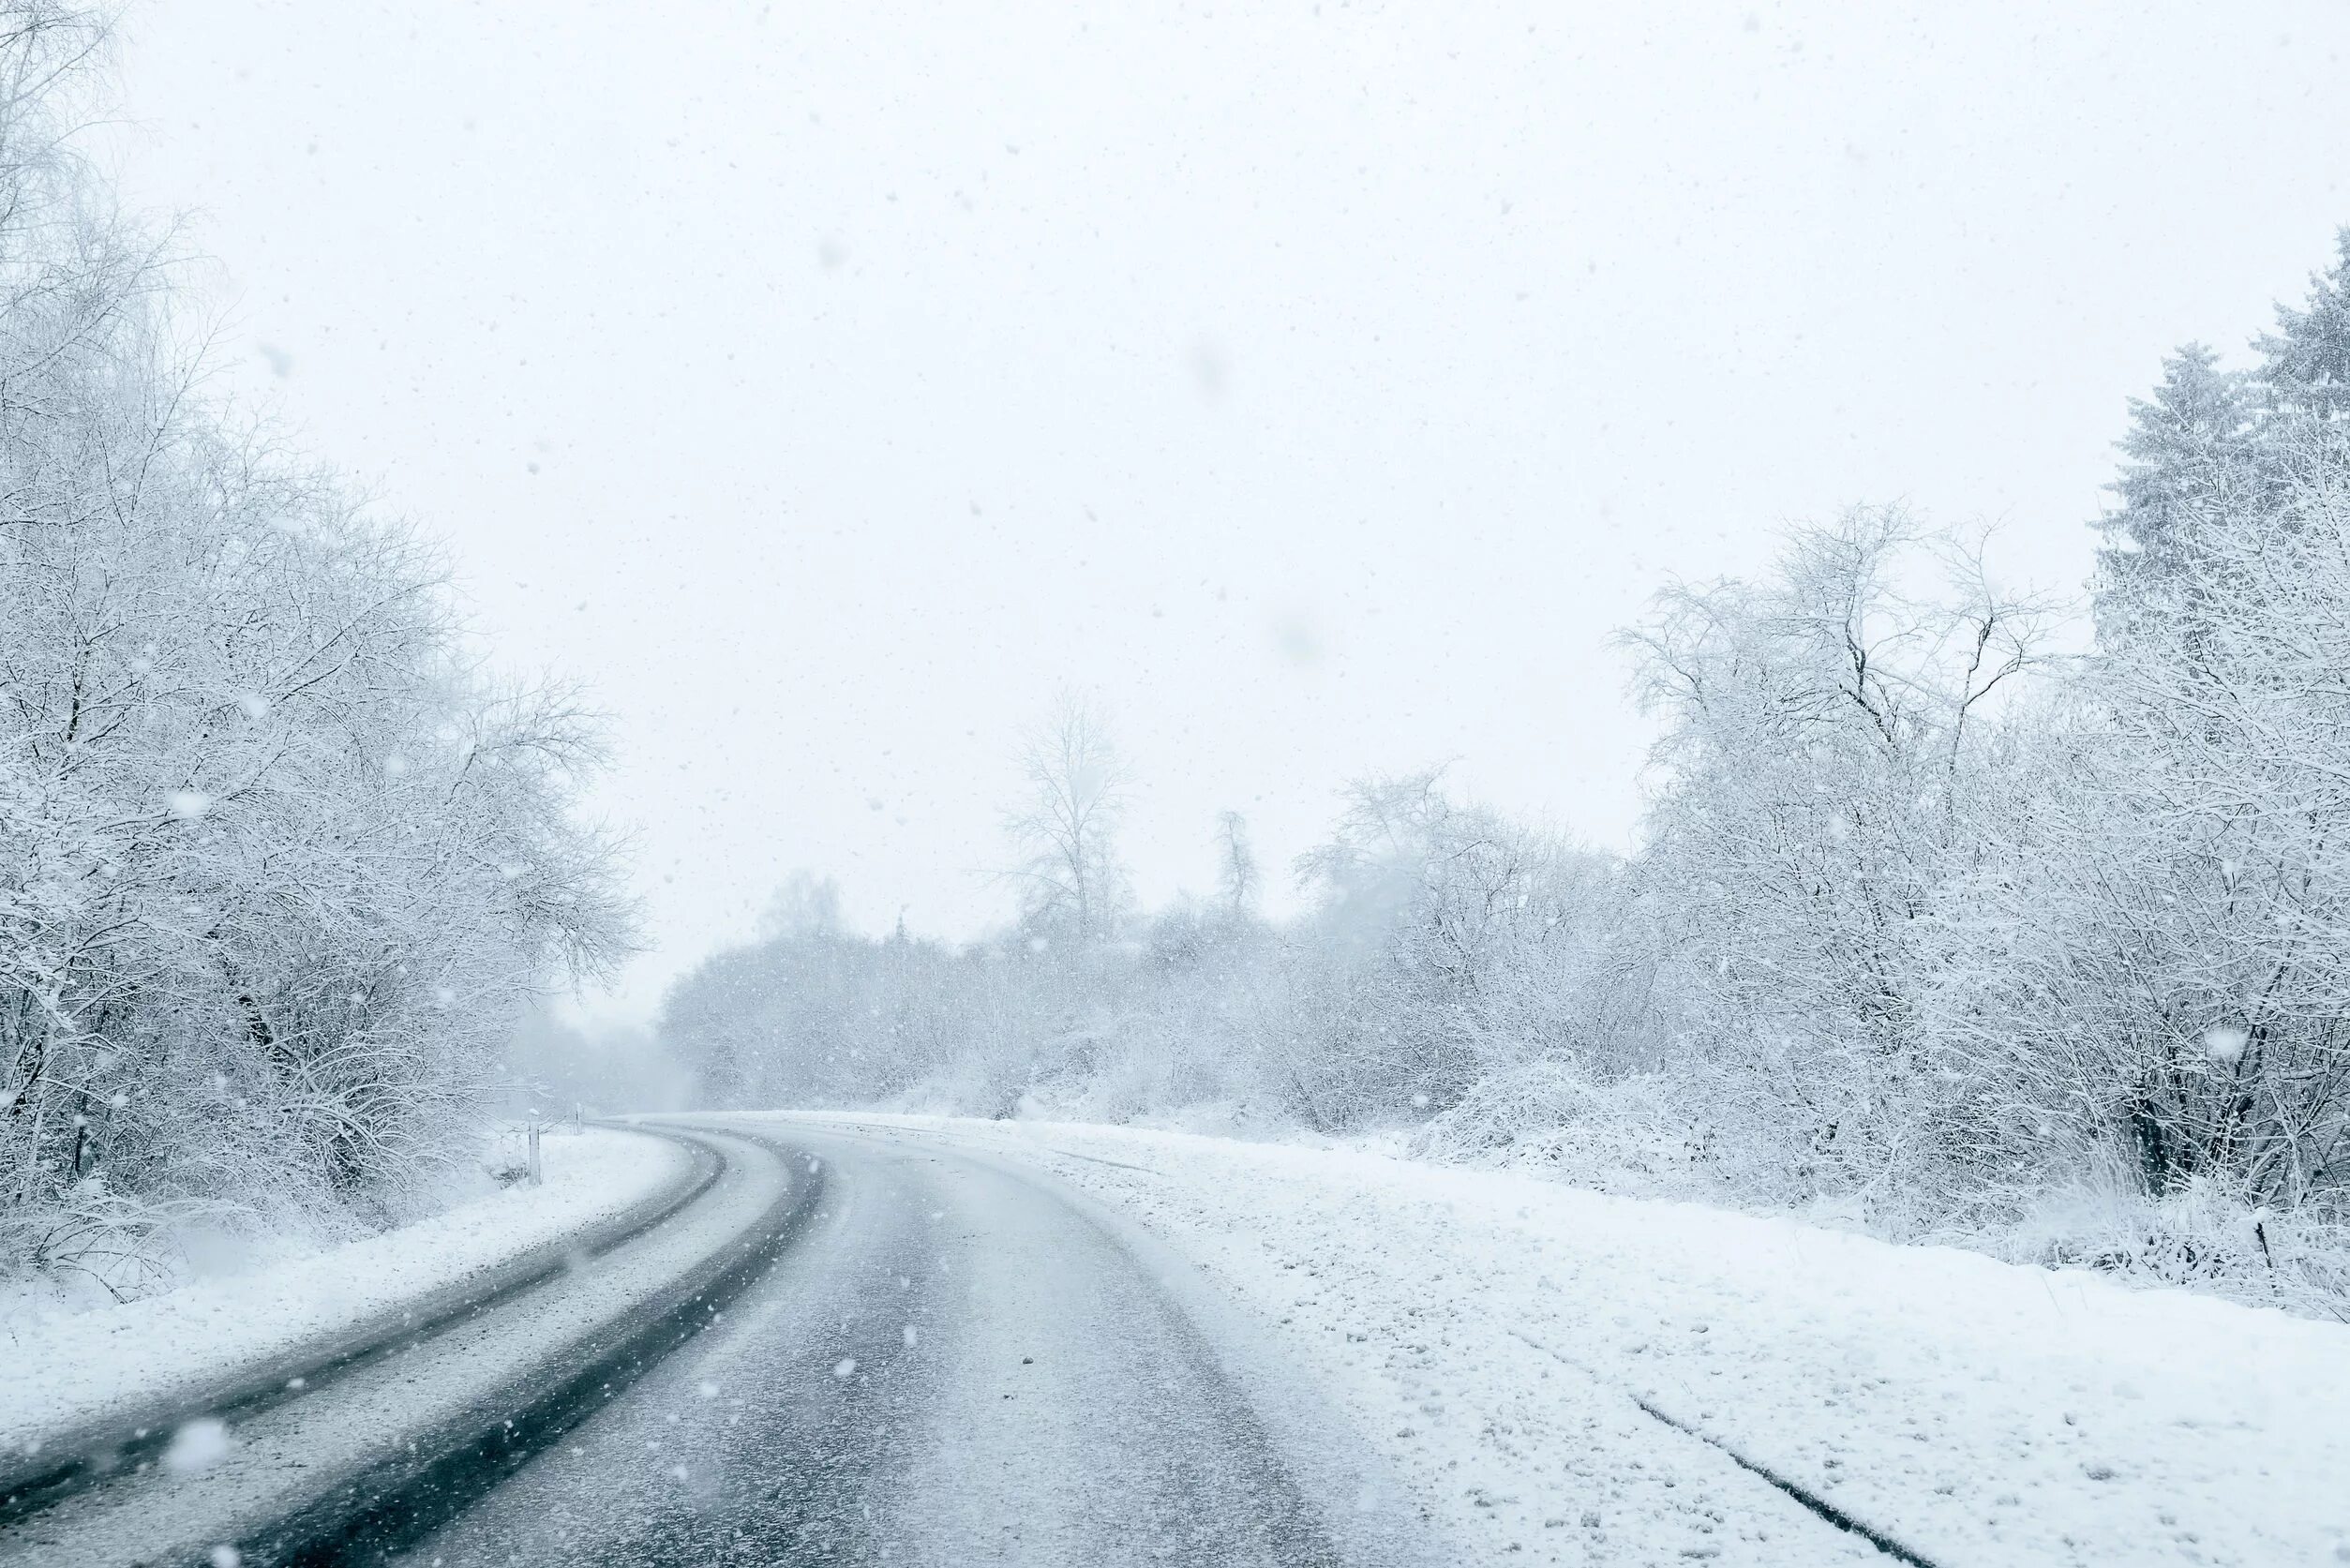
(1564, 1377)
(61, 1372)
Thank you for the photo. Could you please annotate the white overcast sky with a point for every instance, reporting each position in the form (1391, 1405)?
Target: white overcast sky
(1320, 385)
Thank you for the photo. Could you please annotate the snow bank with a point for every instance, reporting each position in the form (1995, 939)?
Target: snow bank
(61, 1373)
(1499, 1337)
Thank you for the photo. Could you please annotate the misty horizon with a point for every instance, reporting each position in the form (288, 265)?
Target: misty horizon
(1346, 458)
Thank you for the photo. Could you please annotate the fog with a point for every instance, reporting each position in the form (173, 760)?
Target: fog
(1317, 385)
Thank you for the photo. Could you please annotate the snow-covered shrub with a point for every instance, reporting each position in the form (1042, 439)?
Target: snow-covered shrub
(2207, 1233)
(1623, 1136)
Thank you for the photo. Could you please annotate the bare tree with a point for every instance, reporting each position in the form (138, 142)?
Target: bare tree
(1065, 828)
(806, 906)
(1238, 877)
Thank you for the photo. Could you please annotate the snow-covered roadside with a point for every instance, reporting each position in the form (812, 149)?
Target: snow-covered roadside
(60, 1374)
(1498, 1336)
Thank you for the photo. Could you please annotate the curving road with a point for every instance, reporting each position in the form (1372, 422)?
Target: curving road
(853, 1348)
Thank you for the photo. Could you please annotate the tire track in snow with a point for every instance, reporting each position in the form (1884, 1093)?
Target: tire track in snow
(373, 1516)
(341, 1478)
(1819, 1506)
(132, 1439)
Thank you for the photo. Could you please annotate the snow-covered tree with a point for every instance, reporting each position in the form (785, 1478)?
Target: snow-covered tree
(275, 864)
(2160, 962)
(2187, 464)
(1826, 730)
(2305, 364)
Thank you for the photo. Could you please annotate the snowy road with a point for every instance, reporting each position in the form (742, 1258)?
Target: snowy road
(921, 1356)
(956, 1363)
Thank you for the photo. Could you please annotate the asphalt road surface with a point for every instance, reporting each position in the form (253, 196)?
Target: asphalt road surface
(954, 1364)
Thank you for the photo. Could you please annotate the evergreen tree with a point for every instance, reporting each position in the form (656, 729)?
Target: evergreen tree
(2306, 361)
(2189, 458)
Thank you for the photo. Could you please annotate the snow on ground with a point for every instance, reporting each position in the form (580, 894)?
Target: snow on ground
(61, 1372)
(1500, 1335)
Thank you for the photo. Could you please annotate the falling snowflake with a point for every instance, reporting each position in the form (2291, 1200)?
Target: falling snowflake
(197, 1447)
(2225, 1042)
(187, 804)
